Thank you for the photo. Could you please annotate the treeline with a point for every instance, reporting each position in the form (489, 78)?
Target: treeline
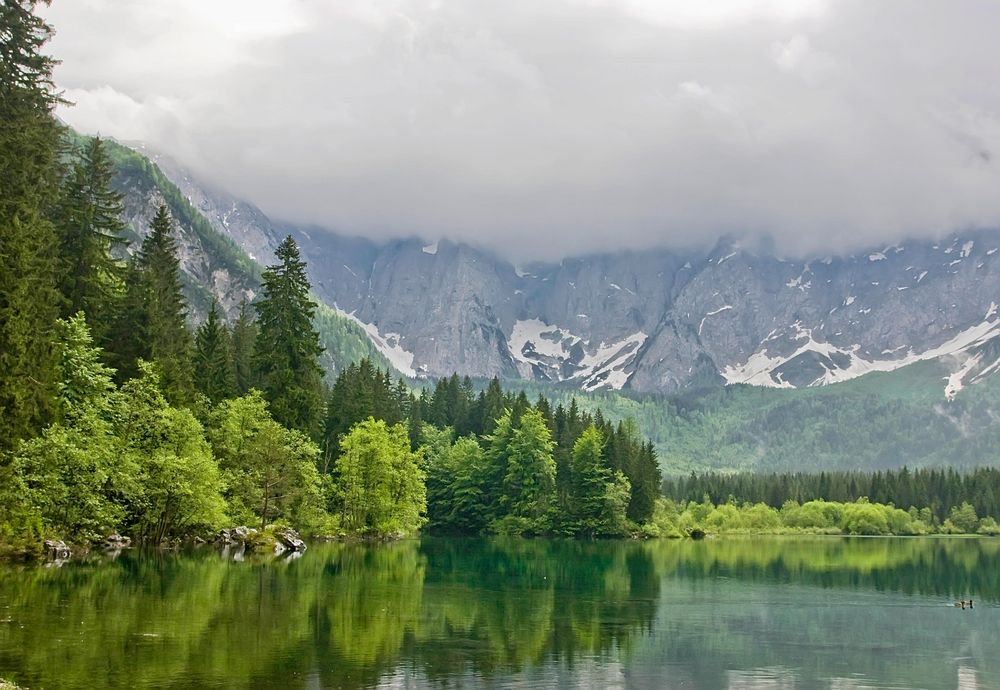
(939, 491)
(118, 418)
(496, 462)
(816, 516)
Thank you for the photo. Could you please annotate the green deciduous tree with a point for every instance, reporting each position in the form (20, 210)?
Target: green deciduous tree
(270, 471)
(287, 349)
(180, 484)
(379, 480)
(175, 483)
(74, 472)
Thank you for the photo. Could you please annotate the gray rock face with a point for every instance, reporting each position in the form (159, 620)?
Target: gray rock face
(652, 321)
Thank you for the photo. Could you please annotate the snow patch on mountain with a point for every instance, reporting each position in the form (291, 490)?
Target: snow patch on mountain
(388, 344)
(560, 355)
(845, 363)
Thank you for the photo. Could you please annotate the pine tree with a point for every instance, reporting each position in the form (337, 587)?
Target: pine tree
(29, 172)
(588, 484)
(286, 355)
(213, 362)
(155, 312)
(243, 339)
(90, 229)
(528, 487)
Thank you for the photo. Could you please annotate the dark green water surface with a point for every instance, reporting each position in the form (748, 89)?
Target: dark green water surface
(725, 613)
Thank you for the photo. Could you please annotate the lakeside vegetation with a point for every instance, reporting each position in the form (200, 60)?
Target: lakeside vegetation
(900, 502)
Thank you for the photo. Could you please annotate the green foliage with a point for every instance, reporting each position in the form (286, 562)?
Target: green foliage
(178, 481)
(73, 471)
(599, 496)
(522, 454)
(90, 231)
(379, 480)
(964, 517)
(456, 472)
(152, 323)
(935, 491)
(287, 346)
(269, 471)
(860, 517)
(214, 370)
(29, 173)
(243, 339)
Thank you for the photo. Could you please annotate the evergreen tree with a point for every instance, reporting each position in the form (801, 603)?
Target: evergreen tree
(213, 362)
(29, 172)
(528, 487)
(600, 496)
(154, 317)
(91, 228)
(287, 349)
(589, 482)
(243, 339)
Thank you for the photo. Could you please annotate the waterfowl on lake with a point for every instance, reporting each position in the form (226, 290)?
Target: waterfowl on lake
(963, 603)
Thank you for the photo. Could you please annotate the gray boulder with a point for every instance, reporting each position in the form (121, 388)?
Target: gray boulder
(290, 539)
(56, 549)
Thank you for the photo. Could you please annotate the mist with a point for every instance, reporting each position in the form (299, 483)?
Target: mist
(543, 129)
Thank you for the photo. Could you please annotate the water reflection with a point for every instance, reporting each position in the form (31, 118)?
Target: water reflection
(455, 613)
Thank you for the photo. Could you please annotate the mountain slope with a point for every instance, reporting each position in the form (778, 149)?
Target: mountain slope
(212, 264)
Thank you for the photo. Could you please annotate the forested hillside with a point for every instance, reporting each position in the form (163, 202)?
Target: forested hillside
(878, 421)
(213, 267)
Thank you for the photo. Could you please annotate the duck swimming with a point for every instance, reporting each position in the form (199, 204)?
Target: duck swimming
(963, 604)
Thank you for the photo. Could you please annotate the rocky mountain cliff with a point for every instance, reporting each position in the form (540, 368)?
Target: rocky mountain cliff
(652, 321)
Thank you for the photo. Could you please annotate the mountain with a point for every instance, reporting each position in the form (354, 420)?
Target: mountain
(655, 321)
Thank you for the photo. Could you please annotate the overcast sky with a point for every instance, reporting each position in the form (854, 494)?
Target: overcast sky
(549, 127)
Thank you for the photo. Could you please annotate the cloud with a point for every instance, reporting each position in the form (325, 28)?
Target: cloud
(542, 129)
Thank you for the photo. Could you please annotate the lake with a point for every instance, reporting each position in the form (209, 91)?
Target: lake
(435, 613)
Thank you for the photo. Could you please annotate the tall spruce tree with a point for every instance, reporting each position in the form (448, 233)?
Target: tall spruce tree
(29, 172)
(242, 340)
(213, 362)
(90, 228)
(155, 311)
(287, 350)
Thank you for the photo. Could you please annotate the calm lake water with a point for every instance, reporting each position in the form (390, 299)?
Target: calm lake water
(726, 613)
